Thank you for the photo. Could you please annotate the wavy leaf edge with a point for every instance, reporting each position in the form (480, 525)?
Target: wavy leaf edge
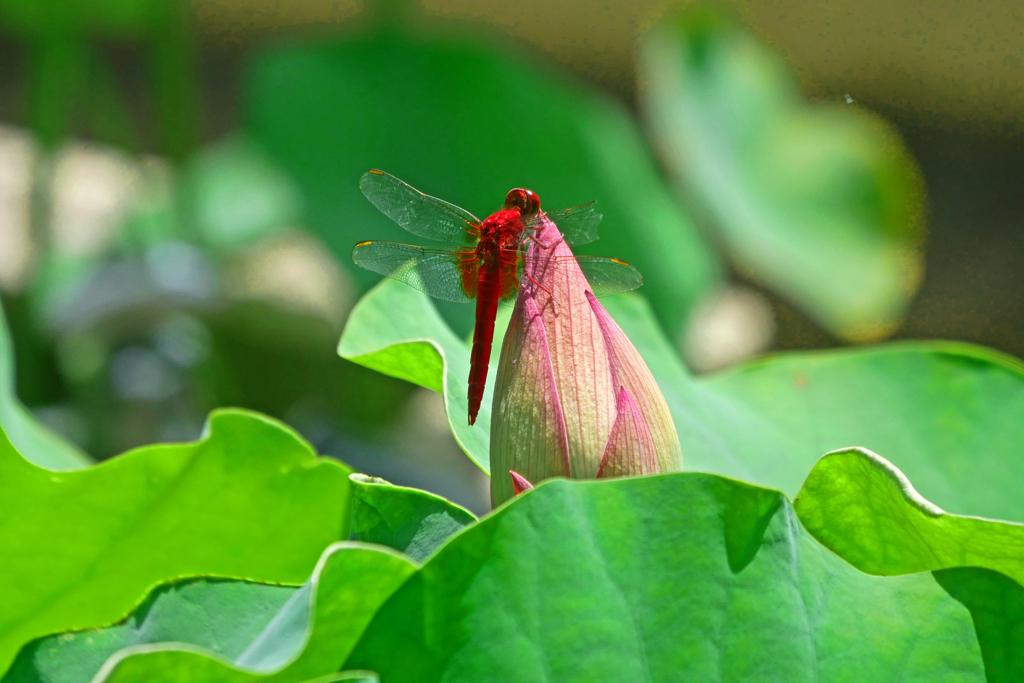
(893, 475)
(112, 662)
(926, 546)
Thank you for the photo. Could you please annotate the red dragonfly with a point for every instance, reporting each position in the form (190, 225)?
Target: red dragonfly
(489, 265)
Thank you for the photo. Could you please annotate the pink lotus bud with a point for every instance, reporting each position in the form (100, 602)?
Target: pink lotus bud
(519, 483)
(573, 398)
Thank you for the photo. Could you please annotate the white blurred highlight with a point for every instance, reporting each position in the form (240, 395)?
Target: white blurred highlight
(91, 189)
(729, 325)
(94, 187)
(17, 163)
(293, 269)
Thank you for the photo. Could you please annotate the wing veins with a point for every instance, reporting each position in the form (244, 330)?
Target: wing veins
(418, 212)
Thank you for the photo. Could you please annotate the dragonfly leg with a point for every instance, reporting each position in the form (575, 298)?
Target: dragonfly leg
(542, 288)
(533, 238)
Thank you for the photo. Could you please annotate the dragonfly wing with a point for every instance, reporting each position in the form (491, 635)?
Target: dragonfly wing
(606, 276)
(578, 224)
(418, 213)
(609, 276)
(449, 274)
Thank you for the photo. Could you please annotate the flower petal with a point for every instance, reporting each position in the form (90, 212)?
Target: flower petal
(578, 351)
(527, 425)
(519, 483)
(629, 371)
(630, 450)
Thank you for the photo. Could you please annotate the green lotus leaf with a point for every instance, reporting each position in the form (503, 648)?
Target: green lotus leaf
(411, 521)
(947, 414)
(679, 577)
(377, 336)
(683, 576)
(224, 621)
(231, 631)
(822, 204)
(250, 499)
(858, 505)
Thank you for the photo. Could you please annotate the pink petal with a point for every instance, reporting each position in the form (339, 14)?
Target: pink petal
(630, 372)
(572, 395)
(527, 423)
(578, 357)
(630, 449)
(519, 483)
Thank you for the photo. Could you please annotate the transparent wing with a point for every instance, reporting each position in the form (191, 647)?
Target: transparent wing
(443, 273)
(609, 276)
(578, 224)
(606, 276)
(418, 213)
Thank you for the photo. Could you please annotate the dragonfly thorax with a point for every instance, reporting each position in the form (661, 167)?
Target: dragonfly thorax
(502, 228)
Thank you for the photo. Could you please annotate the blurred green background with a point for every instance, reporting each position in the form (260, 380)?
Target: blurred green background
(179, 189)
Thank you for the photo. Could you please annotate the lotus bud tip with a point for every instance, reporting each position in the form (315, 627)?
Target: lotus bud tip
(519, 483)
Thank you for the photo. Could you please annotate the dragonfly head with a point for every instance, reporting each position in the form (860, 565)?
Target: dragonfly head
(525, 200)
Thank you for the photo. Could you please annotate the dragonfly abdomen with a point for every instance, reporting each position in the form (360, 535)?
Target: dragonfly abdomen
(487, 294)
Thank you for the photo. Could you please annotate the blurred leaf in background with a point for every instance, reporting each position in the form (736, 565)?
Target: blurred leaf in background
(822, 204)
(69, 82)
(465, 122)
(209, 293)
(234, 194)
(167, 290)
(36, 443)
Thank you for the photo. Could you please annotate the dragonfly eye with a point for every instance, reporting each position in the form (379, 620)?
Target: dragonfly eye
(527, 202)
